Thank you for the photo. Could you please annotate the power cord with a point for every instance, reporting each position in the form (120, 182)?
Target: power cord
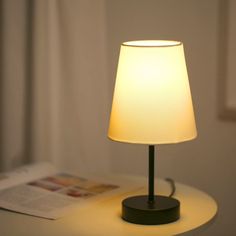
(172, 185)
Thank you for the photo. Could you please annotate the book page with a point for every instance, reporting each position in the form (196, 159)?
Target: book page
(54, 193)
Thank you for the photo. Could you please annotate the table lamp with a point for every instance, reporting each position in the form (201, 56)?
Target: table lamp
(151, 105)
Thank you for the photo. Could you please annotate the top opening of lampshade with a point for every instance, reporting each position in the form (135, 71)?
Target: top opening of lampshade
(152, 43)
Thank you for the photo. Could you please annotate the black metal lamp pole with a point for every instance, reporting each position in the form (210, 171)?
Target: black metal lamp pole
(151, 174)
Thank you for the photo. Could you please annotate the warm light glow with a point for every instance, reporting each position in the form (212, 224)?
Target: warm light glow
(152, 101)
(152, 43)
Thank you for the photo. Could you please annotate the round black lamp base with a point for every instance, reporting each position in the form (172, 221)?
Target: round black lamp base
(162, 210)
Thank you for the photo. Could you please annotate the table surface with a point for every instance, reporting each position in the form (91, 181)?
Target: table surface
(102, 218)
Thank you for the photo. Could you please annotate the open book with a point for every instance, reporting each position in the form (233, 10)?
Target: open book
(42, 190)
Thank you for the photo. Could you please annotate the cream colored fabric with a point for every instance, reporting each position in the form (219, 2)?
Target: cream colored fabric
(152, 101)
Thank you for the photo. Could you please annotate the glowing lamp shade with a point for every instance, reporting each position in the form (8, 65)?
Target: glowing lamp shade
(152, 101)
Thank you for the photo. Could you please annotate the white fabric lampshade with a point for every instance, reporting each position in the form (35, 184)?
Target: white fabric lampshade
(152, 101)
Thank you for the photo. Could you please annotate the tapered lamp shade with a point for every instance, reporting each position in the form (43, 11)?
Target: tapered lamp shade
(152, 101)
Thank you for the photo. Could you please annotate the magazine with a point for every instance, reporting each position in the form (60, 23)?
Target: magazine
(42, 190)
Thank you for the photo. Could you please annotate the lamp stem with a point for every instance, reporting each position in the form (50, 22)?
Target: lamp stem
(151, 174)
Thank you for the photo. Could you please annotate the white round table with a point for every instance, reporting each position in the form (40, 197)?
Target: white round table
(102, 218)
